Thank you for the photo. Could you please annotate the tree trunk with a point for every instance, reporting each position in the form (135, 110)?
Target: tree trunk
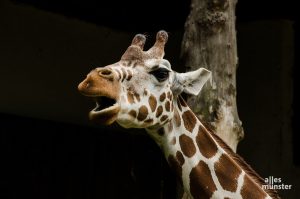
(210, 41)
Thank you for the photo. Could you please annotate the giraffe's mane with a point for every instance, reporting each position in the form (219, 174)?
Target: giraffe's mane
(241, 162)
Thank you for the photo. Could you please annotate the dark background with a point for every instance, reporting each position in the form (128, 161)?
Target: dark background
(49, 149)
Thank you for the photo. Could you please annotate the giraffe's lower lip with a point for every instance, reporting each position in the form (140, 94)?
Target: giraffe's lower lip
(106, 111)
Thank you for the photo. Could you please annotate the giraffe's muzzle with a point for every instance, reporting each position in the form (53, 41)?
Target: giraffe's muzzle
(102, 86)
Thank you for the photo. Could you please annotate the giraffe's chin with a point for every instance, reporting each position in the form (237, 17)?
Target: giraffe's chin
(105, 116)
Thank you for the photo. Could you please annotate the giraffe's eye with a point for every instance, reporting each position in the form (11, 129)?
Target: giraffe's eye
(161, 74)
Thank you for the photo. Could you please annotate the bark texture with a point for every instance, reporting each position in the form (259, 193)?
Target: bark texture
(210, 41)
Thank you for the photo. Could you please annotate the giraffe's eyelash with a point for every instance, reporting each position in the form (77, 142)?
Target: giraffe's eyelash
(161, 74)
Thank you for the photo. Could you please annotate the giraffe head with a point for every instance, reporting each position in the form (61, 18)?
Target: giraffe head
(139, 90)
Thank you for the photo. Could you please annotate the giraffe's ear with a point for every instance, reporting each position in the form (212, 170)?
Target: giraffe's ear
(192, 82)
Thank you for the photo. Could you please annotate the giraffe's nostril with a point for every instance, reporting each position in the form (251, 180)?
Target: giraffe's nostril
(105, 72)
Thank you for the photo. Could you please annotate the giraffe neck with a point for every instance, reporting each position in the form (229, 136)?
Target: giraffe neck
(204, 164)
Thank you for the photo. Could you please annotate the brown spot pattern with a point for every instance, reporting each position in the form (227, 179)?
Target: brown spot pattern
(162, 97)
(175, 166)
(167, 105)
(137, 97)
(159, 111)
(227, 172)
(187, 145)
(130, 97)
(152, 102)
(180, 158)
(145, 92)
(119, 74)
(169, 96)
(206, 144)
(245, 167)
(124, 74)
(181, 101)
(129, 75)
(143, 112)
(251, 190)
(148, 121)
(163, 118)
(179, 105)
(201, 182)
(177, 118)
(132, 113)
(189, 120)
(173, 141)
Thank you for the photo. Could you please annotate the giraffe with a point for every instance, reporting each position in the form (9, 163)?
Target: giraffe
(142, 91)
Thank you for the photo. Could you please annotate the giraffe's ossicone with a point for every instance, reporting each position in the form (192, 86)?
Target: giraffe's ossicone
(142, 91)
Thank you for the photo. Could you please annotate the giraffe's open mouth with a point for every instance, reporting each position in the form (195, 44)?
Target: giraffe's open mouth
(106, 110)
(103, 103)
